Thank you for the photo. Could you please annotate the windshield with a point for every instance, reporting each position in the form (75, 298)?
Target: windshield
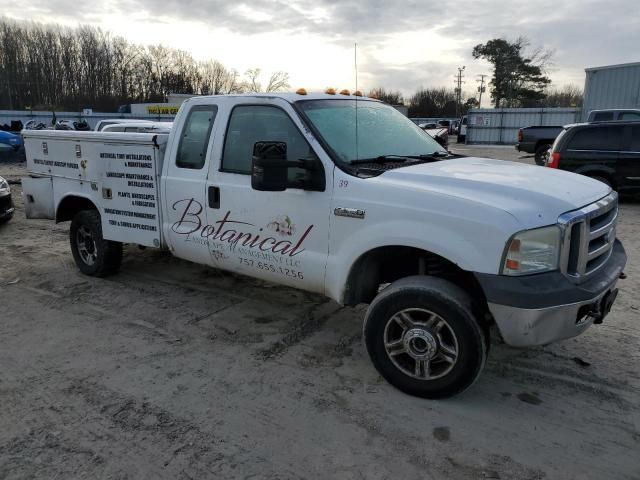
(382, 130)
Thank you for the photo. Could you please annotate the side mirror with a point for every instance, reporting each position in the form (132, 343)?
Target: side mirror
(270, 170)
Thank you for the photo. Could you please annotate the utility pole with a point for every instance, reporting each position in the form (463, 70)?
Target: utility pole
(458, 90)
(481, 90)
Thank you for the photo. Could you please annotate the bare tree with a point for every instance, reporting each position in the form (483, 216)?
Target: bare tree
(387, 96)
(233, 84)
(566, 96)
(433, 102)
(252, 82)
(277, 82)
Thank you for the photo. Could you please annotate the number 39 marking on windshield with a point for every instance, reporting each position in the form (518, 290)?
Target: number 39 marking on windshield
(343, 183)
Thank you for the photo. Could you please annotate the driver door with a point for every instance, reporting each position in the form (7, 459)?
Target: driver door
(277, 236)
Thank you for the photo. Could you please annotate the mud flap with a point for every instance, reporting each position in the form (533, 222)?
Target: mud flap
(37, 195)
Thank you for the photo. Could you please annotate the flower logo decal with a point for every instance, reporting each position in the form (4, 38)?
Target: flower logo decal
(282, 225)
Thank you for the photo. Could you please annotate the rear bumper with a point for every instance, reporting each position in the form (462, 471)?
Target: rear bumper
(544, 308)
(525, 147)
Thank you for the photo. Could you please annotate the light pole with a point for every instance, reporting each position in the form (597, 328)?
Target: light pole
(459, 83)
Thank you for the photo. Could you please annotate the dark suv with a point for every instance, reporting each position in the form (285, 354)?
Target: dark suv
(608, 151)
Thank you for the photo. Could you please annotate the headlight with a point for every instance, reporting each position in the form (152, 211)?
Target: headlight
(533, 251)
(4, 186)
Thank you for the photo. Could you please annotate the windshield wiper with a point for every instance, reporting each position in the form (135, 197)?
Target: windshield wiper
(381, 159)
(399, 158)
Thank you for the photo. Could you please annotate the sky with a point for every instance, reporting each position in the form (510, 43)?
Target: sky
(402, 44)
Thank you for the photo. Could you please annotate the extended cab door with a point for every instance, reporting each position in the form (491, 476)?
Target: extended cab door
(277, 236)
(185, 181)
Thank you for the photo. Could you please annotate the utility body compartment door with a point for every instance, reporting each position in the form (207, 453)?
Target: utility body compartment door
(129, 193)
(37, 196)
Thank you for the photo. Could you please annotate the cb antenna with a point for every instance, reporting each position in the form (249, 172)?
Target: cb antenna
(355, 58)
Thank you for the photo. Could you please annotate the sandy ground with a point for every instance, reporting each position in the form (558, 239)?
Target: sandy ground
(170, 370)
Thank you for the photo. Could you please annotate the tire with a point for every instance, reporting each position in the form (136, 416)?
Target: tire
(6, 219)
(542, 154)
(93, 255)
(604, 180)
(461, 138)
(404, 319)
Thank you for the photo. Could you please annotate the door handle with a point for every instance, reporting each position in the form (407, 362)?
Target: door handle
(214, 197)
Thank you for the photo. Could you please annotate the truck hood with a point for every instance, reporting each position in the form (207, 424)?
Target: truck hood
(534, 195)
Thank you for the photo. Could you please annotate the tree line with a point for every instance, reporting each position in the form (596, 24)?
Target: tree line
(46, 67)
(441, 102)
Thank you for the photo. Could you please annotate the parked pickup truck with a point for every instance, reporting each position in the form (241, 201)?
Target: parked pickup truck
(280, 187)
(537, 140)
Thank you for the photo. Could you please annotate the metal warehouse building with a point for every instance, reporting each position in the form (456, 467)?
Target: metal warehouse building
(614, 86)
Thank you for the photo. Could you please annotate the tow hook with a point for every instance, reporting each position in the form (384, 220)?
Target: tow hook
(623, 276)
(605, 306)
(599, 310)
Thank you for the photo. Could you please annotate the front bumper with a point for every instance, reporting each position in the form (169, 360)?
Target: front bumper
(6, 206)
(544, 308)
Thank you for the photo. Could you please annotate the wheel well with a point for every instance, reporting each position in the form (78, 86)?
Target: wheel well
(385, 265)
(71, 205)
(540, 143)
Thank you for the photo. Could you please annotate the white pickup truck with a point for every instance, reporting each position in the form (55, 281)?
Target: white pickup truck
(291, 188)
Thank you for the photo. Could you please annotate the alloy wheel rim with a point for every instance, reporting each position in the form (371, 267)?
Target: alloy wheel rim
(421, 344)
(86, 246)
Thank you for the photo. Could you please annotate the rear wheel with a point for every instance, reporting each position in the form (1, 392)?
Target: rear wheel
(542, 154)
(93, 255)
(423, 338)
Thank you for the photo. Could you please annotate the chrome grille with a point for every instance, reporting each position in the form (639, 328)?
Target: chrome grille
(588, 237)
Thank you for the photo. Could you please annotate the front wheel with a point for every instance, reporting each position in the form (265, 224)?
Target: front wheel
(93, 255)
(423, 337)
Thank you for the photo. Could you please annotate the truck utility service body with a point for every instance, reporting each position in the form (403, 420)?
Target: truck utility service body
(463, 242)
